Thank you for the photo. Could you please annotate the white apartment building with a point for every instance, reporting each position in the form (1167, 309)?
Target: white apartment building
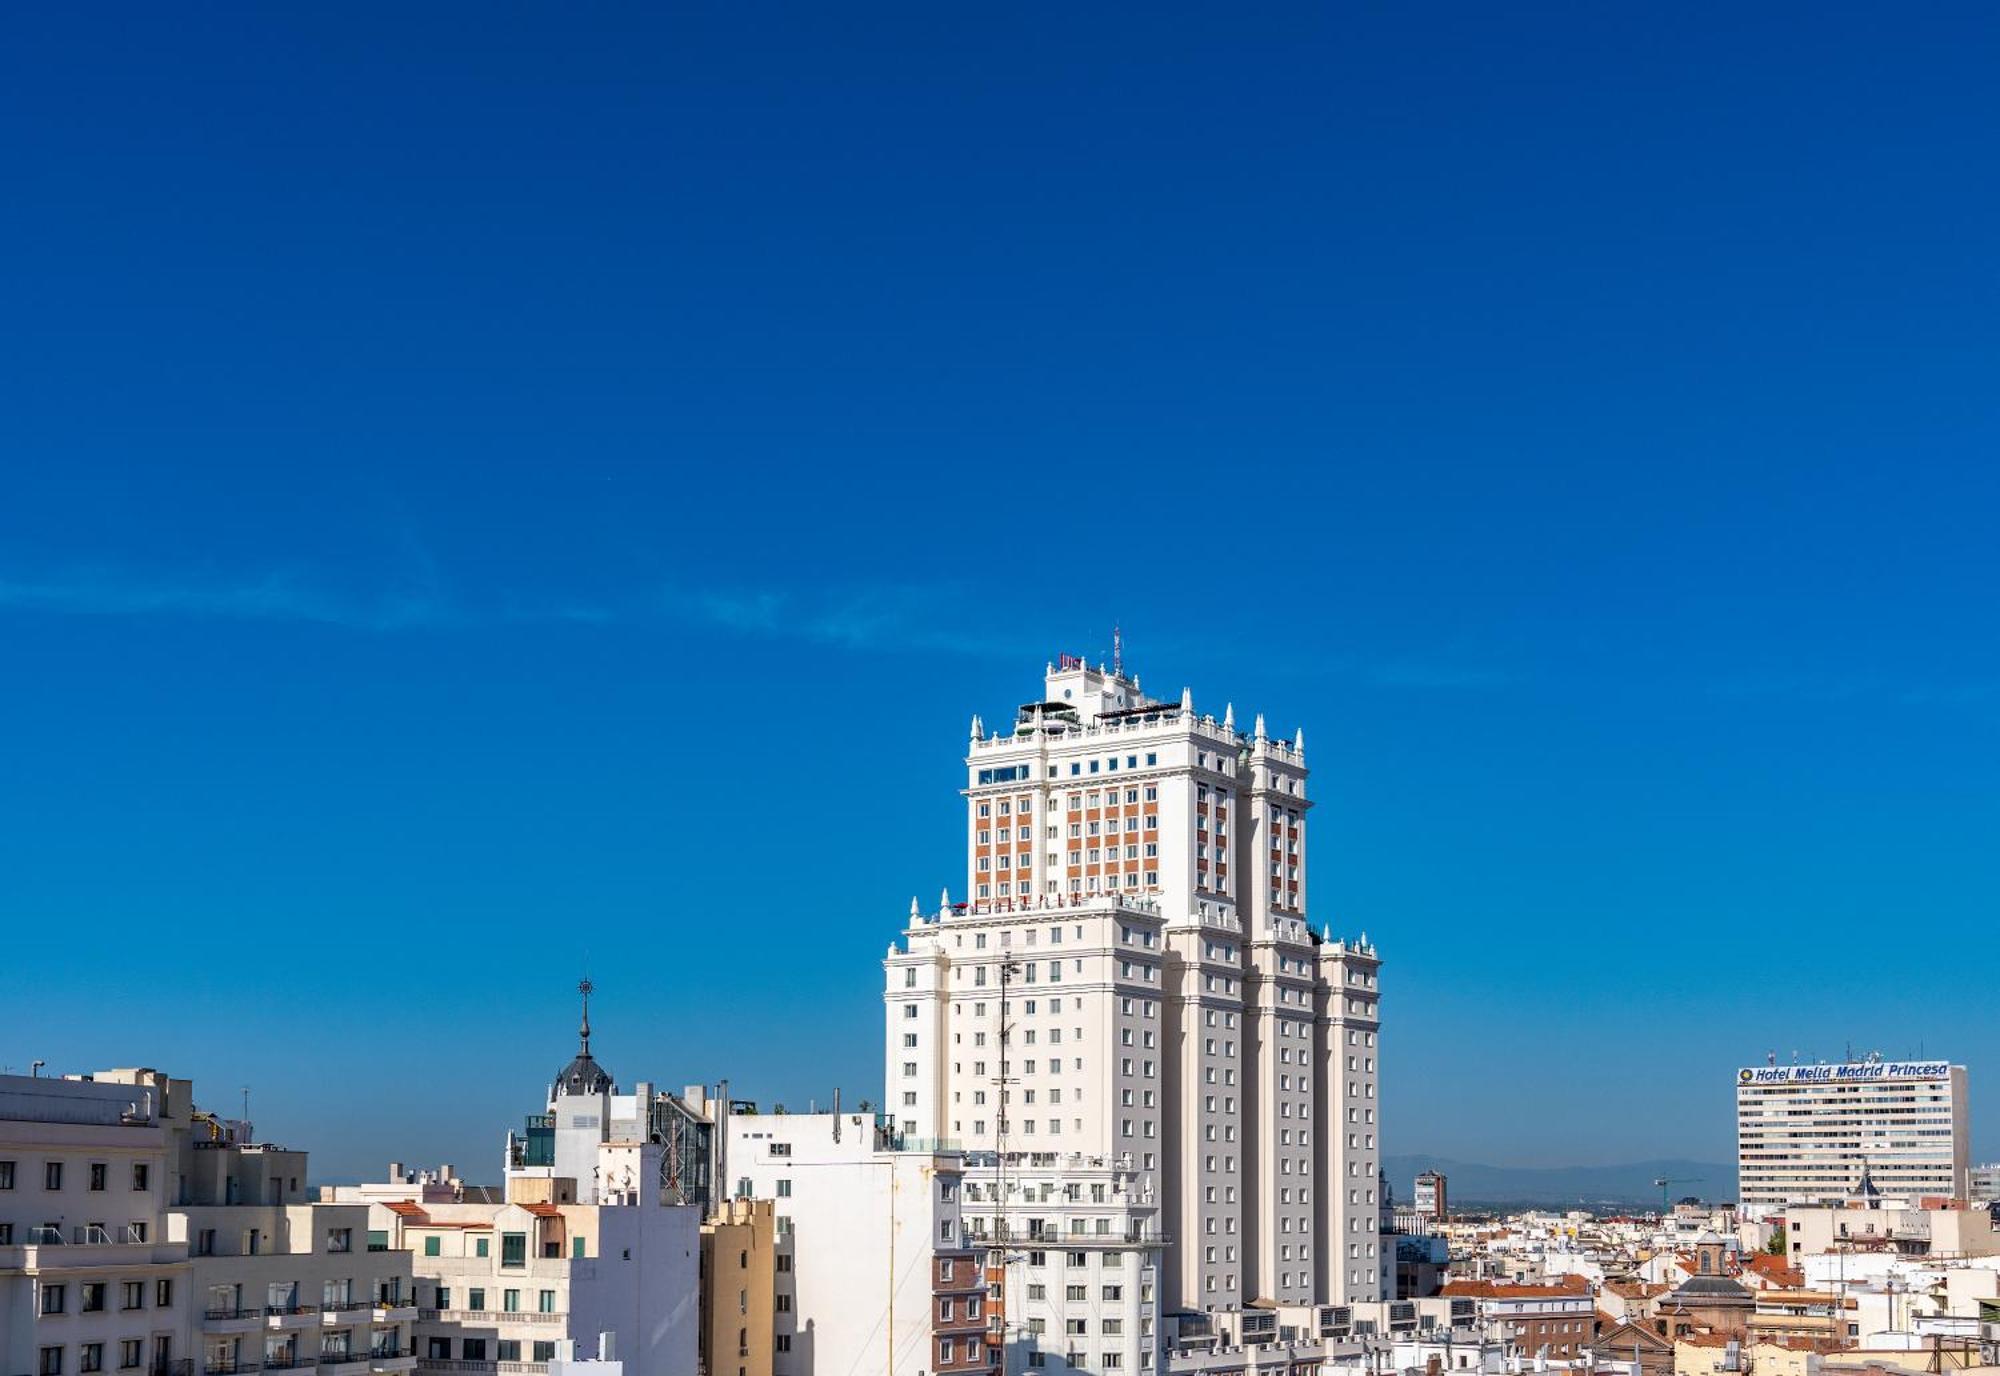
(586, 1262)
(89, 1279)
(1806, 1133)
(874, 1269)
(1134, 977)
(1076, 1246)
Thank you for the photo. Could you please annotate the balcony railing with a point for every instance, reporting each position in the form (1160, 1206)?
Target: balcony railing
(290, 1363)
(230, 1312)
(227, 1366)
(275, 1310)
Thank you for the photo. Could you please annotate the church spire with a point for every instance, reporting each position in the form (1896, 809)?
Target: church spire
(585, 988)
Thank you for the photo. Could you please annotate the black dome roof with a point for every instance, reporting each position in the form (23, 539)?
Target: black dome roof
(583, 1075)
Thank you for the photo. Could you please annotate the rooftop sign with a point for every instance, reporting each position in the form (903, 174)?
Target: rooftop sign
(1842, 1074)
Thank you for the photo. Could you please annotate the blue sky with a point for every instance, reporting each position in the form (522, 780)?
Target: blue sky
(485, 491)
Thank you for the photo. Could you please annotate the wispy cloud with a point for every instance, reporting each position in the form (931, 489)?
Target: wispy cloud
(936, 618)
(884, 617)
(274, 596)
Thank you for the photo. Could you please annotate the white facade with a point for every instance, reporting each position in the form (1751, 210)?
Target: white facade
(860, 1229)
(89, 1280)
(1136, 944)
(1078, 1238)
(1805, 1133)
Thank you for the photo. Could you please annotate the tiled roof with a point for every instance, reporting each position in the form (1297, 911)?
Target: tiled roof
(403, 1208)
(1566, 1288)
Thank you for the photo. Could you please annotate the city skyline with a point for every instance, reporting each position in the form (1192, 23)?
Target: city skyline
(491, 497)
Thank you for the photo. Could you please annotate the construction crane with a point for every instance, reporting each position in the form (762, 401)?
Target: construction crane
(1666, 1201)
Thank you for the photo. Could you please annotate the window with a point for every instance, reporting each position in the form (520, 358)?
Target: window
(52, 1180)
(475, 1349)
(93, 1296)
(784, 1189)
(129, 1353)
(510, 1301)
(508, 1349)
(475, 1300)
(51, 1361)
(481, 1246)
(339, 1239)
(133, 1295)
(6, 1175)
(513, 1250)
(99, 1174)
(545, 1302)
(544, 1351)
(432, 1246)
(53, 1299)
(142, 1175)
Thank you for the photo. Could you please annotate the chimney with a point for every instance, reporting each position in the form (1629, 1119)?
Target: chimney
(395, 1172)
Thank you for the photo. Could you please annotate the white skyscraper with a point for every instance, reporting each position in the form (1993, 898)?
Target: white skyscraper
(1132, 980)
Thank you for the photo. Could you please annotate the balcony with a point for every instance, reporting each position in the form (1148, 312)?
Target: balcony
(284, 1316)
(224, 1319)
(393, 1311)
(499, 1316)
(227, 1366)
(333, 1310)
(290, 1361)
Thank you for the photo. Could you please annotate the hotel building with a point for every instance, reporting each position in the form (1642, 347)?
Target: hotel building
(1806, 1133)
(1133, 982)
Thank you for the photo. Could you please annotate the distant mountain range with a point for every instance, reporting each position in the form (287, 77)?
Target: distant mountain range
(1631, 1184)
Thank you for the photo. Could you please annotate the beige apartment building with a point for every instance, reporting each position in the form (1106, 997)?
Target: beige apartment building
(586, 1255)
(168, 1241)
(90, 1281)
(738, 1287)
